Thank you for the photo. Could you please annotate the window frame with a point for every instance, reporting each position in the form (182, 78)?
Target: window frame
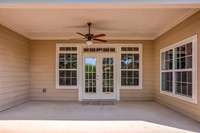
(140, 52)
(193, 99)
(58, 45)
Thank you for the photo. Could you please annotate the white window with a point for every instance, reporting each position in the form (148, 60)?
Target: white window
(178, 70)
(66, 71)
(167, 70)
(131, 65)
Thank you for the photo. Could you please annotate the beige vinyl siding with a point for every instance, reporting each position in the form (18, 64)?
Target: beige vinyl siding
(14, 68)
(42, 71)
(186, 29)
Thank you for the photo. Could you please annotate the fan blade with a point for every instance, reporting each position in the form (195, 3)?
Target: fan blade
(81, 34)
(99, 35)
(100, 40)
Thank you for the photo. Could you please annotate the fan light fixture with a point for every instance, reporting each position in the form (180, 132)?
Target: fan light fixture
(89, 37)
(89, 42)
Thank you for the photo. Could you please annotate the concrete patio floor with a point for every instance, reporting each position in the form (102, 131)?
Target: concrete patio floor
(71, 117)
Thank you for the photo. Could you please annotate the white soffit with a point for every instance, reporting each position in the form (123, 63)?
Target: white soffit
(126, 21)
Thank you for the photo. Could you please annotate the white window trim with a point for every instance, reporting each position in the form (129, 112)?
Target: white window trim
(58, 45)
(140, 46)
(192, 39)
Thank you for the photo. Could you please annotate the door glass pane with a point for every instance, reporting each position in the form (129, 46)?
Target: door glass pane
(90, 75)
(108, 81)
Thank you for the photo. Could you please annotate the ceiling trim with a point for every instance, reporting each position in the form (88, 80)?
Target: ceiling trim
(100, 5)
(107, 38)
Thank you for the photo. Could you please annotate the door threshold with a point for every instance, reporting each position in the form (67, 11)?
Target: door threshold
(99, 102)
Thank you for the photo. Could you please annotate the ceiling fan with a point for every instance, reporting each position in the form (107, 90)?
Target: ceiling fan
(90, 37)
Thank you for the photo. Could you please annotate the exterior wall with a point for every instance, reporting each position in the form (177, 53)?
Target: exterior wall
(188, 28)
(14, 68)
(42, 71)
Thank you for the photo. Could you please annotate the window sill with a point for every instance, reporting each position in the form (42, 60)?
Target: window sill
(131, 87)
(184, 98)
(66, 87)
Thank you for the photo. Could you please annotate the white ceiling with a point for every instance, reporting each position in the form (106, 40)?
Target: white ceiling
(63, 23)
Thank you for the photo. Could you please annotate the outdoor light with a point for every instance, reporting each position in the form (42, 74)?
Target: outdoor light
(89, 42)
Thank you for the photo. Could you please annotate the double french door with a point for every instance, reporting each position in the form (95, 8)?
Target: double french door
(99, 75)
